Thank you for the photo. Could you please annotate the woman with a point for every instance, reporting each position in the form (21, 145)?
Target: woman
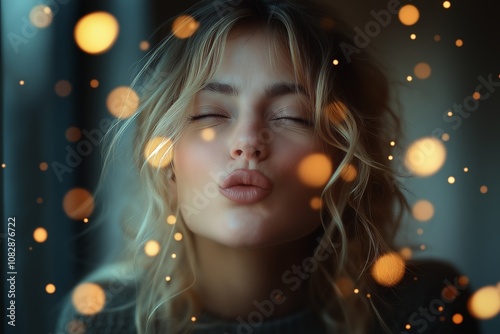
(264, 147)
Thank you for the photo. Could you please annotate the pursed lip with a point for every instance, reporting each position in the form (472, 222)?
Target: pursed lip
(245, 186)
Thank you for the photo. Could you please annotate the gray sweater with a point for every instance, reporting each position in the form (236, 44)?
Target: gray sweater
(418, 300)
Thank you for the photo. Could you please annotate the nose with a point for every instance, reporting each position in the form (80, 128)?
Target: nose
(249, 143)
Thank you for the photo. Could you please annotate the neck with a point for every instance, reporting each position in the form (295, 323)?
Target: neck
(234, 282)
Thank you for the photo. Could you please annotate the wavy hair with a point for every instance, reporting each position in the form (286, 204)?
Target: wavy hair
(351, 113)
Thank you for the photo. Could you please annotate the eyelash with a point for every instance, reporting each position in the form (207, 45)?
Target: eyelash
(193, 118)
(302, 121)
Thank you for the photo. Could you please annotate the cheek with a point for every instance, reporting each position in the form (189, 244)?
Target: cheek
(193, 161)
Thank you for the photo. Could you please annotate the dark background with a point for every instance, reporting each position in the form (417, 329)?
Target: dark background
(464, 231)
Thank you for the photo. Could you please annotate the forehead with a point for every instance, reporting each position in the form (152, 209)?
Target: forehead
(255, 53)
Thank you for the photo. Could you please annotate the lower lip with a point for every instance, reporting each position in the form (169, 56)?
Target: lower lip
(245, 194)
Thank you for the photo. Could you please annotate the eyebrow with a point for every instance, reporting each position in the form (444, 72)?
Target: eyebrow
(275, 90)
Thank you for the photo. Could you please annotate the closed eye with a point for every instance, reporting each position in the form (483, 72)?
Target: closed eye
(299, 120)
(193, 118)
(209, 112)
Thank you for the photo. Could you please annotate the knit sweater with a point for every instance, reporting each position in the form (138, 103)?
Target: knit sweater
(425, 301)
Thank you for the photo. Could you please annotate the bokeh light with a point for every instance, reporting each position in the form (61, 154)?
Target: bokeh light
(425, 156)
(50, 288)
(207, 134)
(413, 36)
(389, 269)
(152, 248)
(122, 102)
(349, 173)
(422, 71)
(437, 38)
(78, 203)
(76, 327)
(406, 253)
(315, 170)
(485, 302)
(446, 4)
(94, 83)
(345, 286)
(451, 179)
(459, 43)
(409, 78)
(335, 62)
(409, 15)
(63, 88)
(40, 234)
(483, 189)
(41, 16)
(184, 26)
(178, 236)
(144, 45)
(171, 219)
(88, 298)
(422, 210)
(43, 166)
(336, 112)
(73, 134)
(457, 318)
(96, 32)
(158, 152)
(316, 203)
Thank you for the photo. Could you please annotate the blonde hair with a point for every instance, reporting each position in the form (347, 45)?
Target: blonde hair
(350, 102)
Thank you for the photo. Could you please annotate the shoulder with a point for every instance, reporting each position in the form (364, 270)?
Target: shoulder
(430, 294)
(99, 306)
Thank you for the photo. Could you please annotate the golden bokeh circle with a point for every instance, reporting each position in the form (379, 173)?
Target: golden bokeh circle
(409, 15)
(122, 102)
(78, 203)
(184, 26)
(389, 269)
(88, 298)
(40, 234)
(158, 152)
(96, 32)
(425, 156)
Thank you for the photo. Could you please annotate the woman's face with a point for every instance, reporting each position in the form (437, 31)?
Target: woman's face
(237, 163)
